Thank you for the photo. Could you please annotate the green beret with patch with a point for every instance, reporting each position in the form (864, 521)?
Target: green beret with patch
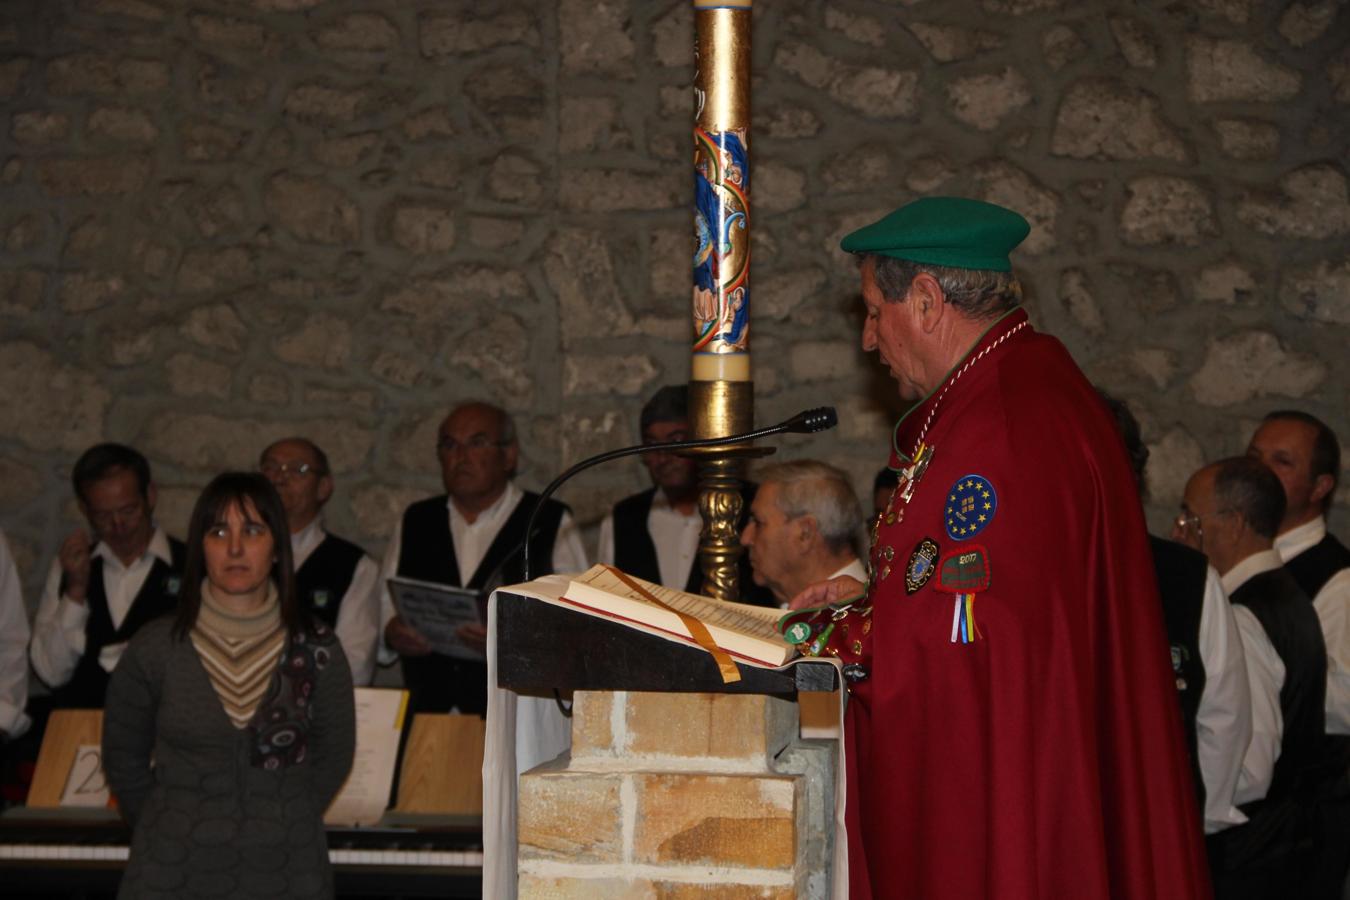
(944, 231)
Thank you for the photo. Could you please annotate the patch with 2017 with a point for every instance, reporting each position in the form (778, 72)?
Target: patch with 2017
(921, 565)
(964, 571)
(971, 504)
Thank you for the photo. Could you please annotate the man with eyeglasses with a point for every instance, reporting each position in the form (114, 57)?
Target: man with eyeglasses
(101, 589)
(471, 536)
(1230, 512)
(1304, 454)
(335, 579)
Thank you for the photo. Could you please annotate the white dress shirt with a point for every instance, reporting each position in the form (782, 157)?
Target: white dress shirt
(58, 628)
(472, 540)
(1223, 721)
(855, 570)
(1265, 676)
(1333, 612)
(358, 621)
(13, 647)
(674, 534)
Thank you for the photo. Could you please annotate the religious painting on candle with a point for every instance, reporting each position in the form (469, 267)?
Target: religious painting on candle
(722, 261)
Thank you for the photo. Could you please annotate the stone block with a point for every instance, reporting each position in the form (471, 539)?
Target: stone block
(1007, 185)
(857, 28)
(577, 887)
(569, 816)
(1312, 203)
(1172, 459)
(448, 294)
(33, 383)
(1303, 23)
(326, 103)
(710, 727)
(1224, 69)
(927, 173)
(1156, 364)
(781, 295)
(825, 360)
(323, 341)
(1161, 209)
(775, 121)
(206, 270)
(101, 176)
(269, 390)
(592, 728)
(211, 142)
(285, 5)
(233, 33)
(580, 271)
(596, 38)
(1061, 45)
(1075, 295)
(1103, 118)
(777, 187)
(1020, 7)
(217, 326)
(144, 10)
(1248, 139)
(188, 375)
(20, 484)
(495, 233)
(220, 84)
(25, 233)
(1338, 73)
(719, 820)
(420, 227)
(377, 508)
(496, 348)
(984, 101)
(122, 123)
(717, 890)
(515, 178)
(1235, 11)
(1136, 41)
(358, 33)
(950, 43)
(1319, 292)
(587, 124)
(625, 375)
(586, 434)
(875, 91)
(38, 127)
(12, 72)
(105, 74)
(203, 441)
(617, 190)
(399, 369)
(83, 292)
(312, 209)
(452, 35)
(673, 36)
(438, 172)
(1228, 282)
(1252, 364)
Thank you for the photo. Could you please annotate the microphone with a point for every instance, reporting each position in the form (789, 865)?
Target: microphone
(807, 422)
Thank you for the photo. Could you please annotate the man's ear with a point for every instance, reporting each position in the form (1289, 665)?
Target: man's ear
(929, 301)
(806, 530)
(325, 488)
(151, 496)
(512, 456)
(1322, 485)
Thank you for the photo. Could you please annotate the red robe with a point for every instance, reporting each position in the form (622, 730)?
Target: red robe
(1045, 758)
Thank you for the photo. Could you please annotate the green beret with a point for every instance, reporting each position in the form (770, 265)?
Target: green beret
(944, 231)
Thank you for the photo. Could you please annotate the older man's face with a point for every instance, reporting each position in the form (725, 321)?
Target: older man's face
(891, 330)
(1286, 447)
(674, 474)
(303, 493)
(475, 465)
(769, 539)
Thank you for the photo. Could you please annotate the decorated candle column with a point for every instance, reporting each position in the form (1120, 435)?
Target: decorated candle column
(721, 394)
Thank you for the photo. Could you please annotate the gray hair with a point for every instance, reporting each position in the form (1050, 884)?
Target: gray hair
(975, 293)
(1248, 488)
(506, 425)
(808, 487)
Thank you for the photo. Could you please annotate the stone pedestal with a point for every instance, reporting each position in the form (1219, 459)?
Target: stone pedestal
(679, 795)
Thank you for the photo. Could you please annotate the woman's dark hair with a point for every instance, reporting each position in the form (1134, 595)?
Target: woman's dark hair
(224, 491)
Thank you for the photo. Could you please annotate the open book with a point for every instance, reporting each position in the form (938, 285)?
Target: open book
(748, 632)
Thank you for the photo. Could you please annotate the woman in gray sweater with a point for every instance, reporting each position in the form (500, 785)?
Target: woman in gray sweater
(229, 728)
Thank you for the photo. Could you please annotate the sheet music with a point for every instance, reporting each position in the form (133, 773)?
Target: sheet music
(752, 620)
(379, 724)
(438, 611)
(86, 785)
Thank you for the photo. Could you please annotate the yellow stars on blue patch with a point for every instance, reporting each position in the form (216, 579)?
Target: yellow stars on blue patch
(971, 504)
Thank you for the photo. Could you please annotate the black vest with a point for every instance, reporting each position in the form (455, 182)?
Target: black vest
(1181, 574)
(322, 582)
(635, 553)
(158, 596)
(436, 683)
(1287, 616)
(1314, 567)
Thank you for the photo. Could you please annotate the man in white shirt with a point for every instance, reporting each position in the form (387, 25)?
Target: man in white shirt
(1305, 455)
(101, 590)
(335, 579)
(13, 649)
(471, 536)
(803, 528)
(1231, 510)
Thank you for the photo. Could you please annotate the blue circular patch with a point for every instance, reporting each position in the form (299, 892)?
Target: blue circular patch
(971, 504)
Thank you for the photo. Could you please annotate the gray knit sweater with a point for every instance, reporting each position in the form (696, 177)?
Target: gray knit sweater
(222, 811)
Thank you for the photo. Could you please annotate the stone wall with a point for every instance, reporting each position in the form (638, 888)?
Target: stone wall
(223, 222)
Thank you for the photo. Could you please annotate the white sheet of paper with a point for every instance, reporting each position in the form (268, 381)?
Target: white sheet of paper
(86, 784)
(438, 611)
(379, 723)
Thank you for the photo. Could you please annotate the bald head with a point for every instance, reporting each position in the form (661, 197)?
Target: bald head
(477, 448)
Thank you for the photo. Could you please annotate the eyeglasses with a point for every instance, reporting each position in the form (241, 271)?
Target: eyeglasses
(285, 470)
(477, 442)
(1188, 521)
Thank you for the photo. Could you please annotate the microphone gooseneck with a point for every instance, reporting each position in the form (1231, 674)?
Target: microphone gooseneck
(807, 422)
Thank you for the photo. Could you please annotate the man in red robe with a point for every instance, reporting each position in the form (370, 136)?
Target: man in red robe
(1012, 729)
